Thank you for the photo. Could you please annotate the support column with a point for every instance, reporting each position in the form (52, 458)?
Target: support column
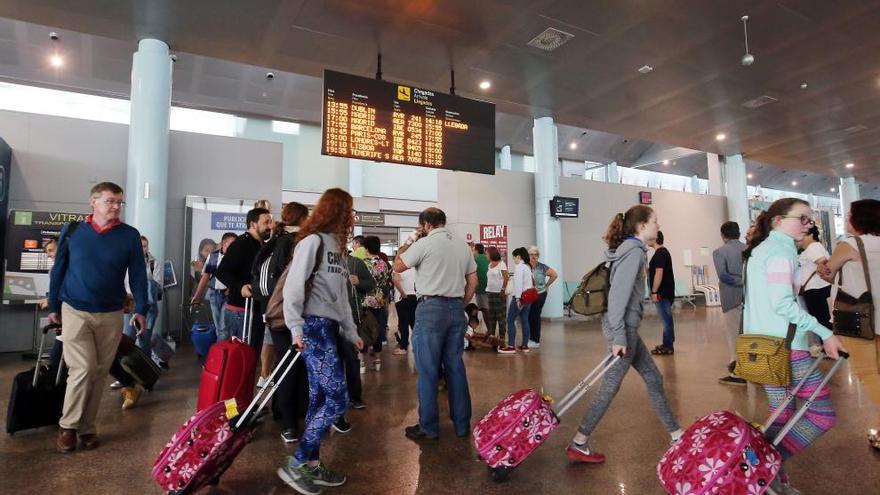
(147, 182)
(356, 185)
(737, 193)
(612, 176)
(146, 190)
(504, 158)
(849, 192)
(715, 181)
(548, 230)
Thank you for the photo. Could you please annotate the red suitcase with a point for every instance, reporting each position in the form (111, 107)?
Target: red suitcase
(521, 422)
(205, 446)
(230, 368)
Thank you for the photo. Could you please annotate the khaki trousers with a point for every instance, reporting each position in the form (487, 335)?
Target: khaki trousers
(864, 362)
(732, 320)
(90, 342)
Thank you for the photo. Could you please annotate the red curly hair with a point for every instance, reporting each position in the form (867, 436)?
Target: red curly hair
(332, 215)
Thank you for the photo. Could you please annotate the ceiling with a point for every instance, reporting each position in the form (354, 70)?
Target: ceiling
(695, 90)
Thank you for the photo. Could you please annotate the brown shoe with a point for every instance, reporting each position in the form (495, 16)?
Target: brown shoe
(66, 441)
(90, 441)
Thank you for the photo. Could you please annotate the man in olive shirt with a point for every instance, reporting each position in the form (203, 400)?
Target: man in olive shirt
(482, 276)
(446, 277)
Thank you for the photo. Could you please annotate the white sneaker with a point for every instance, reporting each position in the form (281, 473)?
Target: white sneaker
(363, 367)
(534, 345)
(116, 385)
(260, 382)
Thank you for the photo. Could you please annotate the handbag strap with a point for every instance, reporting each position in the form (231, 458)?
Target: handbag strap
(864, 256)
(807, 282)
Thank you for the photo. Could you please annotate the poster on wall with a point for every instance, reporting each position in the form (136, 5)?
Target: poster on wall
(27, 265)
(495, 235)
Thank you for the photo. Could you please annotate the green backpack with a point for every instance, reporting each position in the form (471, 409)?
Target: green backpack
(591, 296)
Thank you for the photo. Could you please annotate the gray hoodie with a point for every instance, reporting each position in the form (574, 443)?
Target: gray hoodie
(627, 294)
(329, 296)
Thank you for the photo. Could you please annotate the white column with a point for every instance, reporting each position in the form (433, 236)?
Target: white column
(849, 192)
(504, 157)
(146, 189)
(356, 185)
(695, 184)
(737, 192)
(715, 182)
(548, 230)
(612, 176)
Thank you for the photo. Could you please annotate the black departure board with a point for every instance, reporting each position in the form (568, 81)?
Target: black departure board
(377, 120)
(562, 207)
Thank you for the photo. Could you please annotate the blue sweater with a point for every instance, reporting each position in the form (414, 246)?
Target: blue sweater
(89, 270)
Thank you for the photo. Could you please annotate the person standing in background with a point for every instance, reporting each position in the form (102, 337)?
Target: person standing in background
(406, 305)
(662, 283)
(814, 290)
(482, 261)
(376, 301)
(496, 283)
(728, 261)
(544, 276)
(522, 280)
(216, 291)
(206, 247)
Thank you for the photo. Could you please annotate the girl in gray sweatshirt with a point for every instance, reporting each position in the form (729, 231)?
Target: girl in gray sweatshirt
(626, 237)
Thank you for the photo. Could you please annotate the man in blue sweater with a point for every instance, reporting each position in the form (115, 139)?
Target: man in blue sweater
(87, 294)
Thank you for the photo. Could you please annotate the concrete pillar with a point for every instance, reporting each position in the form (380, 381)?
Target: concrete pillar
(695, 184)
(612, 176)
(713, 165)
(548, 229)
(849, 192)
(737, 191)
(504, 157)
(356, 184)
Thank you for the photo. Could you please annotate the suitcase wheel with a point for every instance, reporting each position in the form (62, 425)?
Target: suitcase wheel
(500, 474)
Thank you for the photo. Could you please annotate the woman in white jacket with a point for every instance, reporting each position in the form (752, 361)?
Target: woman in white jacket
(522, 280)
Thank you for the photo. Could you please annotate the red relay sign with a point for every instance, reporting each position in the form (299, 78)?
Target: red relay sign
(495, 235)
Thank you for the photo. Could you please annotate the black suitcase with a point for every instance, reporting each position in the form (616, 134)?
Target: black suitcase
(37, 397)
(137, 363)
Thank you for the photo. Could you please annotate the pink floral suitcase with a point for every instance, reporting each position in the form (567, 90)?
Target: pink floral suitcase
(204, 447)
(521, 422)
(726, 455)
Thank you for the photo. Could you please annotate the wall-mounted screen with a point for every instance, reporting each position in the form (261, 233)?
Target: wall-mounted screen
(381, 121)
(562, 207)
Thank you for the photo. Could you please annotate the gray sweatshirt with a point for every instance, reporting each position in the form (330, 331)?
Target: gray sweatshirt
(627, 294)
(329, 296)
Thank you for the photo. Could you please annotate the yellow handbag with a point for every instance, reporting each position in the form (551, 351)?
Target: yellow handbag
(765, 359)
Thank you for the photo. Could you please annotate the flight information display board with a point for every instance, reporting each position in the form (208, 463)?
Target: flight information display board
(377, 120)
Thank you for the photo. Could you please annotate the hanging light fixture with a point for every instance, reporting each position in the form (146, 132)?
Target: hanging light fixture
(747, 59)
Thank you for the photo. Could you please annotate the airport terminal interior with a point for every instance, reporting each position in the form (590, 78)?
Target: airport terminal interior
(563, 141)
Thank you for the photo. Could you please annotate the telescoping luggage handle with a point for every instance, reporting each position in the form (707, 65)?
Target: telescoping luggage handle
(247, 324)
(268, 389)
(51, 326)
(790, 396)
(586, 384)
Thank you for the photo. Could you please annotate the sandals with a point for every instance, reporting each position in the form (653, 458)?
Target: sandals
(874, 439)
(662, 351)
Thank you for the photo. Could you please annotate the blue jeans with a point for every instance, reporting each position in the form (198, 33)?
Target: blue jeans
(513, 312)
(143, 340)
(217, 302)
(438, 339)
(233, 322)
(664, 309)
(328, 394)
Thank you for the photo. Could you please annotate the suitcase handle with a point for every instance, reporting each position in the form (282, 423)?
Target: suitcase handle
(587, 383)
(50, 326)
(790, 396)
(267, 391)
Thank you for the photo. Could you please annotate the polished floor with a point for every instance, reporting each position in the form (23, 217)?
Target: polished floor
(378, 459)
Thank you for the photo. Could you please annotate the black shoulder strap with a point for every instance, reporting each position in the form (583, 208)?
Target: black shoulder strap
(71, 228)
(319, 255)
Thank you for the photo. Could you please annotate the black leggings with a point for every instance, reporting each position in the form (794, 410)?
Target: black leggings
(348, 354)
(535, 318)
(406, 318)
(292, 397)
(817, 304)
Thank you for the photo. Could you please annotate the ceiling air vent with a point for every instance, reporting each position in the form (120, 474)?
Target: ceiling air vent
(550, 39)
(759, 101)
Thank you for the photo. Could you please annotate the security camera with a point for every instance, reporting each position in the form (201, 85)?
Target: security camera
(54, 36)
(173, 57)
(270, 75)
(748, 59)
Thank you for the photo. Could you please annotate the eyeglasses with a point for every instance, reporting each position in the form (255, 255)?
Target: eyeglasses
(110, 202)
(805, 219)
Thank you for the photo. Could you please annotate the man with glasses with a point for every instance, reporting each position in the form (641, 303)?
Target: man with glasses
(87, 295)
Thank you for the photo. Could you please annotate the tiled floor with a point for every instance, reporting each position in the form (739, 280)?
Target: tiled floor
(378, 459)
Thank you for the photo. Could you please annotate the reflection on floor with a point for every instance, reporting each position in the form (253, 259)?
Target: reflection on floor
(378, 459)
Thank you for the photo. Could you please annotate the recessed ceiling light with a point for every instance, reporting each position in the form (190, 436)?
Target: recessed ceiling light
(720, 136)
(665, 162)
(833, 189)
(56, 61)
(573, 146)
(794, 183)
(646, 69)
(850, 165)
(749, 176)
(804, 85)
(485, 85)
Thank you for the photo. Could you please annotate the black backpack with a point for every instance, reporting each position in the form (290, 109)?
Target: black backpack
(269, 264)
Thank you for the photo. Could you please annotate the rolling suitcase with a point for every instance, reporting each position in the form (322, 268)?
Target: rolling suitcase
(521, 422)
(203, 336)
(137, 363)
(37, 397)
(230, 368)
(723, 453)
(206, 445)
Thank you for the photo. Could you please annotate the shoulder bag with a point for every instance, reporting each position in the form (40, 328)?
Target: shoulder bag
(854, 316)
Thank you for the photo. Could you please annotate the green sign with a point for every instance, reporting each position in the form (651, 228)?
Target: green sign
(23, 218)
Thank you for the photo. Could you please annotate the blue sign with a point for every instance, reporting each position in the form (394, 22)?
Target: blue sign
(235, 222)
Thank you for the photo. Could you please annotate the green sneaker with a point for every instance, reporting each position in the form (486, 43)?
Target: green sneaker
(325, 477)
(299, 478)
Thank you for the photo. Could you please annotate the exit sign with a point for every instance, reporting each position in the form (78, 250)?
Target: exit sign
(645, 198)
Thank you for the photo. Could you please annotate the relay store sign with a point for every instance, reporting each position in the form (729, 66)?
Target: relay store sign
(495, 235)
(234, 222)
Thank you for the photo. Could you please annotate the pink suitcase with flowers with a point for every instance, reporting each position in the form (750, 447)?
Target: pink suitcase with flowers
(726, 455)
(521, 422)
(205, 446)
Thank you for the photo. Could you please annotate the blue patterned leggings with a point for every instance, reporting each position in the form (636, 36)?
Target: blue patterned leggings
(328, 395)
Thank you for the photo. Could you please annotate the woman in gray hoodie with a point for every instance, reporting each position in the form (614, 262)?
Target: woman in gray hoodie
(627, 237)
